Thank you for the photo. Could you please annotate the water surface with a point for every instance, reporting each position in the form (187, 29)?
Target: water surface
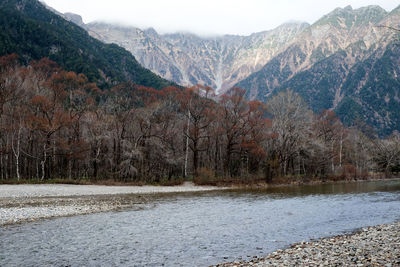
(199, 229)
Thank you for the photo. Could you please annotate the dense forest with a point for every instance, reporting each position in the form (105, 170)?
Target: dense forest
(57, 125)
(30, 30)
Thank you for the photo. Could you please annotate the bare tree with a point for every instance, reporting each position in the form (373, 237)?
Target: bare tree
(291, 124)
(387, 153)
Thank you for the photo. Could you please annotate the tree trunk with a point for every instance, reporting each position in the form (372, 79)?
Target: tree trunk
(187, 144)
(16, 151)
(228, 160)
(43, 162)
(216, 156)
(17, 167)
(70, 168)
(2, 167)
(340, 150)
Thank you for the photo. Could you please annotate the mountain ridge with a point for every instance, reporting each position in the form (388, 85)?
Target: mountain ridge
(345, 61)
(188, 59)
(333, 71)
(31, 30)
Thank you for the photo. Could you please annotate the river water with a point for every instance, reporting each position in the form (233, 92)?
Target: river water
(199, 229)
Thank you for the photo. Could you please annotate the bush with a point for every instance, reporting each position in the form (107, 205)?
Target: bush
(171, 182)
(205, 176)
(349, 172)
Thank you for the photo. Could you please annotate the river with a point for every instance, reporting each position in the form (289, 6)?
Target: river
(200, 229)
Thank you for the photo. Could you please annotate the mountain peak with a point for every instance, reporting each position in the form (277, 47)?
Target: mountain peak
(396, 10)
(151, 31)
(339, 11)
(348, 17)
(75, 18)
(348, 8)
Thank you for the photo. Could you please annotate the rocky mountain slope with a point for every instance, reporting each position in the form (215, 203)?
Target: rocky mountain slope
(32, 31)
(344, 62)
(218, 62)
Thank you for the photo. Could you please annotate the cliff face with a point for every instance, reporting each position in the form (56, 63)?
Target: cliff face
(344, 62)
(340, 30)
(187, 59)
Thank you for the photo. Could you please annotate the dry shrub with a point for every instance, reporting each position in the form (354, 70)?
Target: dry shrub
(349, 172)
(172, 181)
(205, 176)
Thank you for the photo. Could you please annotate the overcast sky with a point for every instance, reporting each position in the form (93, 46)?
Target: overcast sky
(207, 17)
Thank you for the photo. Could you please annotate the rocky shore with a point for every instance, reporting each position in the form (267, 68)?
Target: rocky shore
(370, 246)
(25, 203)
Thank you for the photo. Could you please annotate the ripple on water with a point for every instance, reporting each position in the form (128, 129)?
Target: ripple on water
(200, 229)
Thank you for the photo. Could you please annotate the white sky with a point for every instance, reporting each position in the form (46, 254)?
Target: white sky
(207, 17)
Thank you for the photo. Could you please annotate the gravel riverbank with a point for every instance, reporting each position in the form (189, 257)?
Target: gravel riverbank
(371, 246)
(24, 203)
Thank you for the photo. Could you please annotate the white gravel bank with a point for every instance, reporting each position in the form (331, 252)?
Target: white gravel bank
(24, 214)
(57, 190)
(24, 203)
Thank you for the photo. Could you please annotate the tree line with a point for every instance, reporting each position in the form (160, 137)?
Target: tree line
(54, 124)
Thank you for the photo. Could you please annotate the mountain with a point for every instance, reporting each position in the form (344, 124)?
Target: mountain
(343, 62)
(77, 19)
(187, 59)
(32, 31)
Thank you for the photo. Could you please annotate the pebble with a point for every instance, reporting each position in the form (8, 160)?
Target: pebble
(58, 190)
(27, 210)
(26, 203)
(371, 246)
